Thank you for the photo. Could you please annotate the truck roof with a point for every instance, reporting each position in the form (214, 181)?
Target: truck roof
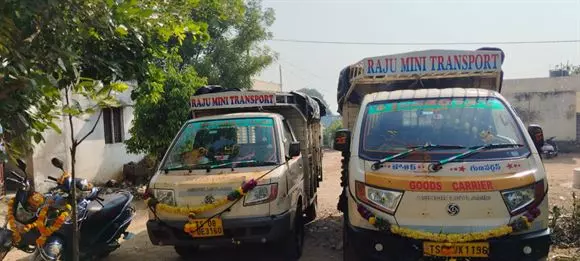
(239, 115)
(217, 100)
(429, 93)
(427, 69)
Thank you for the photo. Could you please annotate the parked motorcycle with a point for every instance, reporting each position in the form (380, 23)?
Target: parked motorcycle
(102, 220)
(550, 148)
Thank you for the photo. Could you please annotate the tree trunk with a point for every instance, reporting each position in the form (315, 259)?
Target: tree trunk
(74, 242)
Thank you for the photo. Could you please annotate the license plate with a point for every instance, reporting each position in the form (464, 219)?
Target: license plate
(456, 249)
(211, 228)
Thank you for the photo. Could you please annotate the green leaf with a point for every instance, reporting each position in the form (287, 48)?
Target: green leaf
(119, 86)
(122, 30)
(61, 64)
(38, 137)
(53, 126)
(71, 111)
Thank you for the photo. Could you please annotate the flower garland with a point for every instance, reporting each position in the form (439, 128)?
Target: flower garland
(45, 231)
(16, 231)
(191, 227)
(522, 223)
(40, 222)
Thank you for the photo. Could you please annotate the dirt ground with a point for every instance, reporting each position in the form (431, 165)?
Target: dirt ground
(324, 236)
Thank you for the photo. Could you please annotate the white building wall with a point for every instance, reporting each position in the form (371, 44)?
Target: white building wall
(95, 160)
(554, 111)
(550, 102)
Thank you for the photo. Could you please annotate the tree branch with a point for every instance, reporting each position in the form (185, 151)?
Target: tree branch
(94, 125)
(92, 129)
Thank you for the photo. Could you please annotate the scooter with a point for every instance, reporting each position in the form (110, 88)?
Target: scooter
(102, 220)
(550, 148)
(24, 213)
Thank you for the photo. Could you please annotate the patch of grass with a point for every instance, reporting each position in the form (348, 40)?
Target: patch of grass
(565, 225)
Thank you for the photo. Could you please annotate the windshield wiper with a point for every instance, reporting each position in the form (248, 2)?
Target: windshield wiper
(472, 150)
(379, 164)
(208, 169)
(182, 167)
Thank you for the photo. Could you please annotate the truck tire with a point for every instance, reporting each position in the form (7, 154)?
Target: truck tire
(294, 243)
(311, 211)
(348, 250)
(186, 252)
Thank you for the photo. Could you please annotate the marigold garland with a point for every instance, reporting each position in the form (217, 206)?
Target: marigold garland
(16, 231)
(45, 231)
(191, 227)
(522, 223)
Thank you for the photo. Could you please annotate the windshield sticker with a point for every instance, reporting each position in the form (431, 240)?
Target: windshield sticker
(405, 166)
(458, 169)
(234, 123)
(513, 165)
(438, 104)
(492, 167)
(453, 197)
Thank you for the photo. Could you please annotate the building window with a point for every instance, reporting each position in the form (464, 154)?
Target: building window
(113, 125)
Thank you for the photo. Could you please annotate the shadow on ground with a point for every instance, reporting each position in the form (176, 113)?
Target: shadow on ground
(323, 241)
(563, 158)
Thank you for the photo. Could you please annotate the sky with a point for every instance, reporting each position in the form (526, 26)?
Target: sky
(306, 65)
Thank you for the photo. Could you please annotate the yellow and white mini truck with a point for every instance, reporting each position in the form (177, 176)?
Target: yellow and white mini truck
(244, 169)
(437, 164)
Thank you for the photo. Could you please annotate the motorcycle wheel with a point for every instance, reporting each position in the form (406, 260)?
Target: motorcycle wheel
(37, 257)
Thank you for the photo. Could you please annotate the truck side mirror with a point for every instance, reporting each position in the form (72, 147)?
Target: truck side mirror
(294, 149)
(341, 140)
(537, 135)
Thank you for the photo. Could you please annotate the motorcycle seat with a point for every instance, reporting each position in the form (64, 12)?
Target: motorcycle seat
(109, 208)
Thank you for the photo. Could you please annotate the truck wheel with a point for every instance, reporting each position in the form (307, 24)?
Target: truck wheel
(186, 252)
(311, 211)
(348, 251)
(295, 241)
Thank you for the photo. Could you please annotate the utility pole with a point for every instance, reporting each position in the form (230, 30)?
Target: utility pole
(280, 70)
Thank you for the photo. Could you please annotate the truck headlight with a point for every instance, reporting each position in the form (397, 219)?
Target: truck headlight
(165, 196)
(383, 199)
(261, 194)
(520, 199)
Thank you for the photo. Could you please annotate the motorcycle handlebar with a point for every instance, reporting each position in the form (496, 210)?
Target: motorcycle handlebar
(52, 178)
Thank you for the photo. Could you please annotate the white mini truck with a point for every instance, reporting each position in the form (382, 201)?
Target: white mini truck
(437, 165)
(236, 138)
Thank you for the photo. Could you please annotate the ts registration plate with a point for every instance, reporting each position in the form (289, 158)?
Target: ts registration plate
(211, 228)
(456, 249)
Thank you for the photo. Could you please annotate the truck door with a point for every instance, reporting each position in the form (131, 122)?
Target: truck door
(295, 175)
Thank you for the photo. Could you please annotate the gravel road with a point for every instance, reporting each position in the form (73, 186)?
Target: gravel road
(324, 235)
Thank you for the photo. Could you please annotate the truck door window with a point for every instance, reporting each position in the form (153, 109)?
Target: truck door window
(288, 136)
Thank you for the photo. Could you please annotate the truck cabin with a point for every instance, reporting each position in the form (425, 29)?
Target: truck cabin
(300, 112)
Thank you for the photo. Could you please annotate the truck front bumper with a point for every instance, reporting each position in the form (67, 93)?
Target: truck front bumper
(239, 230)
(395, 248)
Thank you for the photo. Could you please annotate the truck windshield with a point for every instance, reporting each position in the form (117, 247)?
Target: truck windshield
(390, 127)
(224, 143)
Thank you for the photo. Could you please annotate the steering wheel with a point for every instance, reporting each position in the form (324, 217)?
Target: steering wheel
(388, 143)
